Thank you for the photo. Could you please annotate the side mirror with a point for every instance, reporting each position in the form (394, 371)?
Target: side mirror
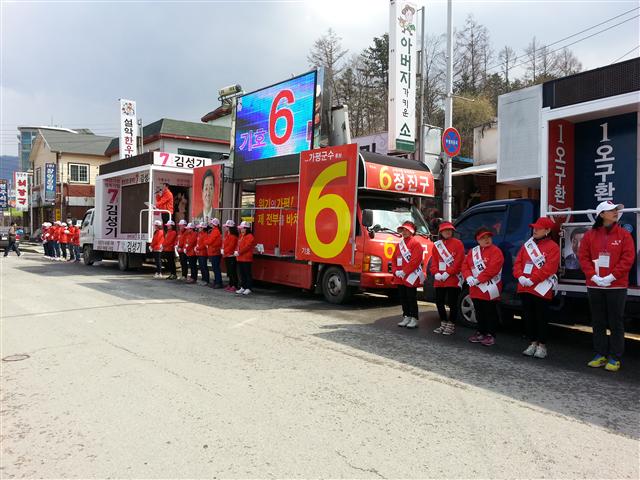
(367, 218)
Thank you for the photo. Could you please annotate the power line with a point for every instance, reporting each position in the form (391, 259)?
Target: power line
(620, 58)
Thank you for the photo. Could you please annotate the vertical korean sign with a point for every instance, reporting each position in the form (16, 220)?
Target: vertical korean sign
(21, 182)
(327, 204)
(111, 204)
(50, 182)
(128, 128)
(402, 76)
(561, 171)
(4, 194)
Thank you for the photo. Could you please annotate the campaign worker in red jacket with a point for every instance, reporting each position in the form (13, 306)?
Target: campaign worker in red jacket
(482, 269)
(214, 251)
(190, 244)
(446, 267)
(535, 268)
(169, 249)
(606, 256)
(184, 262)
(229, 247)
(244, 256)
(164, 201)
(408, 273)
(156, 246)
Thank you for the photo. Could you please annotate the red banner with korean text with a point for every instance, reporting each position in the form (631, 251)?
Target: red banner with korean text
(275, 227)
(327, 204)
(561, 170)
(207, 185)
(401, 180)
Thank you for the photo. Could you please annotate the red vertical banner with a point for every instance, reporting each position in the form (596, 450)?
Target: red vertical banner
(207, 185)
(561, 168)
(276, 217)
(327, 204)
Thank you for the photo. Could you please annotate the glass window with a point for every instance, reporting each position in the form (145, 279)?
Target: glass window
(493, 219)
(390, 214)
(78, 173)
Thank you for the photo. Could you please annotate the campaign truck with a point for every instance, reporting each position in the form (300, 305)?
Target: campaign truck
(574, 139)
(120, 226)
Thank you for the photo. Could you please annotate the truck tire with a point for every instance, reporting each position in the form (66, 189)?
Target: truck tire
(123, 261)
(334, 285)
(135, 261)
(466, 312)
(87, 255)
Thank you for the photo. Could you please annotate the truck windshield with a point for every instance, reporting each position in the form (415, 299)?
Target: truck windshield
(390, 214)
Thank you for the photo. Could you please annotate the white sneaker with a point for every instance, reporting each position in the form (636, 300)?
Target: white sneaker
(531, 349)
(413, 323)
(155, 275)
(247, 291)
(403, 322)
(441, 328)
(541, 352)
(240, 291)
(449, 328)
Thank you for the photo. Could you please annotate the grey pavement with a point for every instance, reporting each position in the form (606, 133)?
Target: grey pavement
(127, 376)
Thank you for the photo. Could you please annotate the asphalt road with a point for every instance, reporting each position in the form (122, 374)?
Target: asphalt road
(127, 376)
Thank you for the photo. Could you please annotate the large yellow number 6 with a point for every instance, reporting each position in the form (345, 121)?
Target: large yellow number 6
(385, 178)
(317, 202)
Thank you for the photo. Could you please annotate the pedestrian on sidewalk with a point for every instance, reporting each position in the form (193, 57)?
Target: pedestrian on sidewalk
(56, 240)
(201, 251)
(606, 256)
(184, 260)
(190, 242)
(214, 252)
(45, 236)
(76, 240)
(156, 246)
(169, 249)
(408, 273)
(63, 238)
(482, 269)
(11, 238)
(535, 268)
(446, 268)
(229, 246)
(70, 231)
(244, 256)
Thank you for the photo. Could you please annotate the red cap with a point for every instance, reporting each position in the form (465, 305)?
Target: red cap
(446, 226)
(543, 222)
(408, 226)
(482, 232)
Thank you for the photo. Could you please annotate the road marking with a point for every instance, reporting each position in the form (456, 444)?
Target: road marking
(243, 323)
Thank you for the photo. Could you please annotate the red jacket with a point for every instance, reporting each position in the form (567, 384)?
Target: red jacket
(170, 240)
(55, 233)
(493, 261)
(246, 244)
(182, 236)
(551, 252)
(157, 240)
(618, 243)
(230, 244)
(75, 236)
(201, 243)
(164, 200)
(190, 241)
(214, 242)
(456, 249)
(399, 263)
(63, 235)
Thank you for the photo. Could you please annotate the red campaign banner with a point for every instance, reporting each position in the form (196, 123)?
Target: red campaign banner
(276, 227)
(207, 182)
(401, 180)
(561, 170)
(327, 204)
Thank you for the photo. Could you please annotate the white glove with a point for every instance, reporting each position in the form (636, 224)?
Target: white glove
(236, 253)
(525, 282)
(222, 251)
(444, 276)
(472, 281)
(597, 280)
(438, 277)
(400, 274)
(607, 281)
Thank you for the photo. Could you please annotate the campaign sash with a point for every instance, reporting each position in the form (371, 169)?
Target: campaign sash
(418, 273)
(537, 258)
(490, 286)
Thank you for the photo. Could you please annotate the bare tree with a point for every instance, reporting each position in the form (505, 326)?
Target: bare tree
(507, 57)
(567, 63)
(434, 76)
(472, 56)
(327, 52)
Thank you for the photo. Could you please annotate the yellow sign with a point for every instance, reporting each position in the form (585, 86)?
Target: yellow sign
(58, 215)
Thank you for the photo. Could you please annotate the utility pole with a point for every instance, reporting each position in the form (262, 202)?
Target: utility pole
(448, 115)
(423, 63)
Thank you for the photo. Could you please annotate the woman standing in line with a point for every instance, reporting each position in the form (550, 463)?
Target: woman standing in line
(244, 256)
(408, 273)
(190, 242)
(201, 252)
(214, 251)
(606, 256)
(184, 261)
(229, 246)
(168, 249)
(156, 246)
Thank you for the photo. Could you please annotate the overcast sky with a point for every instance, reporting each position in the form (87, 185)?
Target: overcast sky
(70, 61)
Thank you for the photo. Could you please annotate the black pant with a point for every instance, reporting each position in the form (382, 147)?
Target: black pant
(170, 258)
(47, 249)
(158, 258)
(232, 271)
(607, 311)
(193, 266)
(204, 267)
(184, 264)
(534, 312)
(447, 296)
(486, 315)
(63, 247)
(246, 281)
(12, 245)
(409, 299)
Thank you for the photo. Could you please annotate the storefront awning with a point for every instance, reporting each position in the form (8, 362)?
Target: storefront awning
(488, 169)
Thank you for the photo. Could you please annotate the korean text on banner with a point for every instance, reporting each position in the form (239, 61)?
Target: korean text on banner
(128, 128)
(276, 217)
(111, 204)
(207, 185)
(50, 182)
(327, 204)
(4, 194)
(21, 183)
(561, 171)
(402, 76)
(394, 179)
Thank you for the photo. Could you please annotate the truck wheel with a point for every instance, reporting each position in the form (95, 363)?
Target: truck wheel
(135, 261)
(123, 261)
(466, 312)
(334, 285)
(87, 255)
